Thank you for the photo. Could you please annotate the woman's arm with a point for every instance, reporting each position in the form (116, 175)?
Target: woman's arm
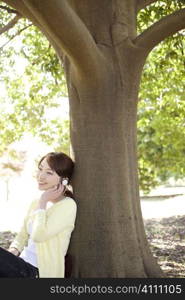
(62, 217)
(22, 237)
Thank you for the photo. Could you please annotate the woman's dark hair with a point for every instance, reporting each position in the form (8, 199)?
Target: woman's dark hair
(63, 165)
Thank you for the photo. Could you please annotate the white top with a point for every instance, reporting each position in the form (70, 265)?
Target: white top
(29, 252)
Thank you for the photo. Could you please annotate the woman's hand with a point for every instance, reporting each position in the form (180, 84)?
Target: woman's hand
(51, 194)
(14, 251)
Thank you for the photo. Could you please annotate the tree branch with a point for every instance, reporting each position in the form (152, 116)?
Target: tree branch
(18, 33)
(68, 31)
(25, 12)
(22, 9)
(143, 3)
(8, 9)
(10, 24)
(162, 29)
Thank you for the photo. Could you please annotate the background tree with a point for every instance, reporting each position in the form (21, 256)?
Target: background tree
(103, 58)
(12, 163)
(31, 82)
(161, 142)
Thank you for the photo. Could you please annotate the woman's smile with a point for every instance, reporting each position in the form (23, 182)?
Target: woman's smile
(46, 177)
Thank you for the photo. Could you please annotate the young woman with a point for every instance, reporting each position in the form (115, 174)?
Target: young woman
(40, 247)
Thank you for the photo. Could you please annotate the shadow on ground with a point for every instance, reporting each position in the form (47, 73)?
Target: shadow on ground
(167, 241)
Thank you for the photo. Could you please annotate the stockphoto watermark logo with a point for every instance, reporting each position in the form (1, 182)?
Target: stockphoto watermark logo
(139, 289)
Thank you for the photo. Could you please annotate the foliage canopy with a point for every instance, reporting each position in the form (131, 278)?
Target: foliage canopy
(33, 82)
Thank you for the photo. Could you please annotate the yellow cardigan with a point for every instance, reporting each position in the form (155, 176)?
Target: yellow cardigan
(51, 233)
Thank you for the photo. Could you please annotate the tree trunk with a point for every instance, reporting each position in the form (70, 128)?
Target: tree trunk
(109, 238)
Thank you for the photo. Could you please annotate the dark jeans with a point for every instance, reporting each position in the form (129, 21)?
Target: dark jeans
(15, 267)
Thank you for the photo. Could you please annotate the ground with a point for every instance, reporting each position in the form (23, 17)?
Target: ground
(167, 241)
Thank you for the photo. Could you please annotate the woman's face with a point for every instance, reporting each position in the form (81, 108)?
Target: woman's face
(46, 177)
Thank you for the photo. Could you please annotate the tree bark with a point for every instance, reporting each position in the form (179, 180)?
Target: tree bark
(103, 64)
(109, 238)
